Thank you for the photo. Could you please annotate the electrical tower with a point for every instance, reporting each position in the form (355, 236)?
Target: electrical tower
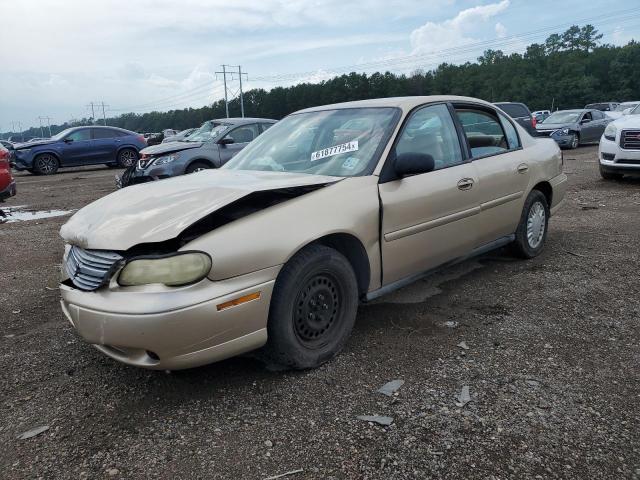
(232, 74)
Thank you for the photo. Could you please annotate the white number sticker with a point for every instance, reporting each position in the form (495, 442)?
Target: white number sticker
(335, 150)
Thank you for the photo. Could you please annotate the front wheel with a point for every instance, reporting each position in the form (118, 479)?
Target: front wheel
(575, 141)
(534, 224)
(609, 175)
(313, 309)
(45, 164)
(197, 167)
(127, 157)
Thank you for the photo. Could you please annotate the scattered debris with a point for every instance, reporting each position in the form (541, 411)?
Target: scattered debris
(15, 311)
(33, 432)
(379, 419)
(450, 324)
(464, 397)
(391, 387)
(589, 207)
(112, 472)
(463, 345)
(268, 443)
(11, 335)
(533, 383)
(21, 213)
(51, 288)
(286, 474)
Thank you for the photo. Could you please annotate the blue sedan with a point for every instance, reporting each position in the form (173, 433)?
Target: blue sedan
(80, 146)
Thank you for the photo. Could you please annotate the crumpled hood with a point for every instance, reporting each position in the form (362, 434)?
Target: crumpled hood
(19, 146)
(554, 126)
(169, 147)
(158, 211)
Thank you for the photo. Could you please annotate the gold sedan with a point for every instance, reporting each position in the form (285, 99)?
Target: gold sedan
(332, 206)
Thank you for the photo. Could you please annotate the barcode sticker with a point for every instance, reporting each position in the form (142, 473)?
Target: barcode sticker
(335, 150)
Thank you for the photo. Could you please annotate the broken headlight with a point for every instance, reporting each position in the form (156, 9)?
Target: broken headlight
(174, 270)
(165, 159)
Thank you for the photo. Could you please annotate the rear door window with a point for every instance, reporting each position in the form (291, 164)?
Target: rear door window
(484, 132)
(512, 134)
(100, 133)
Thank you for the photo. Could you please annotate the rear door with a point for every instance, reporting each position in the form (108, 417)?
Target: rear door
(241, 136)
(502, 168)
(430, 218)
(105, 144)
(77, 148)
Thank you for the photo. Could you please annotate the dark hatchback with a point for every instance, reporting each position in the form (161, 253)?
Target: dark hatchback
(211, 146)
(79, 146)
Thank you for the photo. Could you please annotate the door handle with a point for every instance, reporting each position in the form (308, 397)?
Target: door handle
(465, 184)
(523, 168)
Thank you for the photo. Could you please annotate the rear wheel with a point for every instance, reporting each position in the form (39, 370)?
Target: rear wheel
(45, 164)
(197, 167)
(534, 224)
(609, 175)
(127, 157)
(313, 309)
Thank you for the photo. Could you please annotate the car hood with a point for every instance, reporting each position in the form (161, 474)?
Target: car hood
(159, 211)
(554, 126)
(627, 121)
(168, 147)
(19, 146)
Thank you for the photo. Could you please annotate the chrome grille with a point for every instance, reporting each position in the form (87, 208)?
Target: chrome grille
(630, 139)
(90, 269)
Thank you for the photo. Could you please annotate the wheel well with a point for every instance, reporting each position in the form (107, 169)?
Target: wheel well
(127, 147)
(547, 191)
(53, 154)
(201, 160)
(354, 251)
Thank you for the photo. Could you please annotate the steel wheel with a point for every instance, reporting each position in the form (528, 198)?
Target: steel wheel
(536, 224)
(127, 157)
(316, 310)
(46, 164)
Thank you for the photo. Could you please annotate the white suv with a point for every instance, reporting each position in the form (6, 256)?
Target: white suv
(619, 151)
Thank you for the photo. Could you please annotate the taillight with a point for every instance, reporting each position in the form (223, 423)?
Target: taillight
(141, 137)
(534, 122)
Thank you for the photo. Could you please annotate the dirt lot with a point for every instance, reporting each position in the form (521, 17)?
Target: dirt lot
(552, 366)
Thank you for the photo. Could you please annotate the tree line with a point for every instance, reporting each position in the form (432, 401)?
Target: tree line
(568, 70)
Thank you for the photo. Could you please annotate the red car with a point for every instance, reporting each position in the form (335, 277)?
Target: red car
(7, 183)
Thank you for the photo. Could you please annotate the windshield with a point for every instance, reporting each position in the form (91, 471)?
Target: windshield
(636, 110)
(340, 143)
(208, 131)
(62, 134)
(563, 117)
(623, 106)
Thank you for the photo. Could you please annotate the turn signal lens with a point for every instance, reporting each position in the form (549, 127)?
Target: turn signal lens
(178, 269)
(239, 301)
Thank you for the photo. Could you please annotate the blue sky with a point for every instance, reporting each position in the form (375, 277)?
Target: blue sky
(57, 56)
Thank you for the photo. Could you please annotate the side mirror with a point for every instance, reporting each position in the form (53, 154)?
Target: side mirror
(68, 140)
(585, 120)
(226, 141)
(412, 163)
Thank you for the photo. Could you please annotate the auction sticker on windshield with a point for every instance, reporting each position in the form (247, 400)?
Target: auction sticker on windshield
(335, 150)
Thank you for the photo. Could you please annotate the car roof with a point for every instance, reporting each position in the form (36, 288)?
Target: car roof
(404, 103)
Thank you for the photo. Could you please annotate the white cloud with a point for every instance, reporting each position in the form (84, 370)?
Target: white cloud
(455, 32)
(501, 30)
(620, 36)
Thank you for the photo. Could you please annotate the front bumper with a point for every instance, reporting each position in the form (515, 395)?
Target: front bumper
(22, 161)
(612, 158)
(159, 327)
(9, 191)
(563, 141)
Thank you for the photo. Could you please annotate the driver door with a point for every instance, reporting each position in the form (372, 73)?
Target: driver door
(77, 148)
(241, 136)
(430, 218)
(588, 128)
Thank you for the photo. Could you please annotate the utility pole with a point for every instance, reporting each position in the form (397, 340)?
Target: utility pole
(41, 130)
(230, 72)
(104, 118)
(93, 114)
(48, 119)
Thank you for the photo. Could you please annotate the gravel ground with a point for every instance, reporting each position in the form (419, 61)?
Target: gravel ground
(552, 365)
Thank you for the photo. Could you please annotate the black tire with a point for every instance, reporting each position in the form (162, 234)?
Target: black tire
(524, 245)
(127, 157)
(45, 164)
(313, 309)
(575, 141)
(197, 166)
(609, 175)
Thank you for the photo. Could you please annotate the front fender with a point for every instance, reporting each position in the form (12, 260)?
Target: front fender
(271, 236)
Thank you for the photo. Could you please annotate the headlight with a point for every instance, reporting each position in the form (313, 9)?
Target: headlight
(22, 150)
(610, 132)
(175, 270)
(165, 159)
